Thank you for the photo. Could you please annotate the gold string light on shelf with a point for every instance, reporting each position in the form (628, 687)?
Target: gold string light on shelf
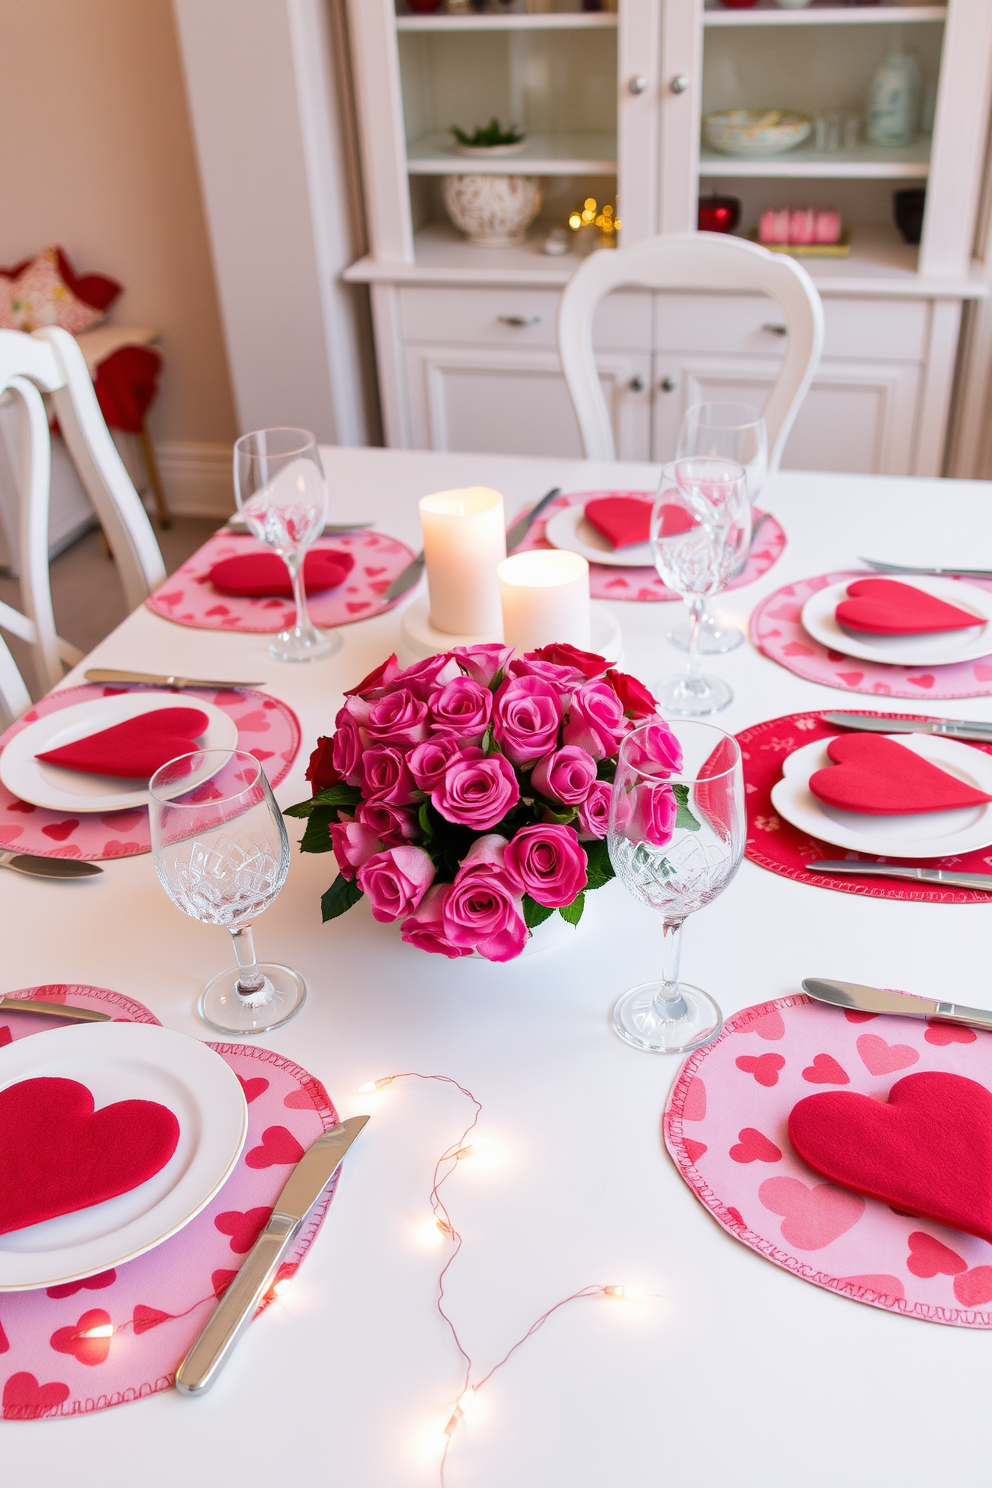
(603, 218)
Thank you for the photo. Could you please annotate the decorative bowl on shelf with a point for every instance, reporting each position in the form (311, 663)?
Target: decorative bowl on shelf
(483, 152)
(755, 134)
(493, 211)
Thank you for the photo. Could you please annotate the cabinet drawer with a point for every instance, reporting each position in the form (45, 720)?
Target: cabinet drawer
(517, 317)
(895, 330)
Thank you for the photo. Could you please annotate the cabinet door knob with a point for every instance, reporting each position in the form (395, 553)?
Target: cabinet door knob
(776, 330)
(679, 83)
(518, 320)
(669, 384)
(636, 384)
(638, 83)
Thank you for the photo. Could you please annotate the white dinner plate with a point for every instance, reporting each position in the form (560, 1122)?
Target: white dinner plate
(569, 530)
(60, 789)
(128, 1061)
(934, 648)
(927, 834)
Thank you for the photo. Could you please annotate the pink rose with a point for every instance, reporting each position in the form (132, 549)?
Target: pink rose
(585, 664)
(463, 707)
(548, 863)
(354, 712)
(346, 753)
(391, 824)
(394, 882)
(595, 720)
(477, 790)
(482, 911)
(484, 663)
(398, 718)
(424, 677)
(647, 813)
(634, 697)
(594, 811)
(526, 718)
(377, 680)
(353, 845)
(385, 776)
(425, 928)
(568, 775)
(654, 750)
(564, 680)
(429, 761)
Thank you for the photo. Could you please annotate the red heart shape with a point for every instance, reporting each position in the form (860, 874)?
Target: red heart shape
(875, 776)
(253, 1088)
(928, 1257)
(278, 1146)
(926, 1151)
(244, 1228)
(148, 1317)
(266, 573)
(887, 607)
(90, 1283)
(974, 1287)
(826, 1071)
(764, 1067)
(943, 1034)
(880, 1058)
(693, 1149)
(623, 520)
(24, 806)
(811, 1217)
(769, 1026)
(57, 1154)
(927, 680)
(136, 748)
(59, 831)
(885, 1286)
(25, 1400)
(85, 1350)
(752, 1147)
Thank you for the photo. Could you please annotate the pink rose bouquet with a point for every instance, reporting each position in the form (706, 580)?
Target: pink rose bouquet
(468, 797)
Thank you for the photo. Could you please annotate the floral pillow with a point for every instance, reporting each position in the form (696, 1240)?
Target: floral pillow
(44, 291)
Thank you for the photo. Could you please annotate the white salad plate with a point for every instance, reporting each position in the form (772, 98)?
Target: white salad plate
(933, 648)
(924, 834)
(569, 530)
(60, 789)
(128, 1061)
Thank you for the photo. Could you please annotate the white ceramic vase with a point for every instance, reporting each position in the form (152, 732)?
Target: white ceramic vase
(493, 211)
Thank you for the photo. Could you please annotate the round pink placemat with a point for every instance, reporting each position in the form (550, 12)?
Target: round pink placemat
(726, 1126)
(267, 728)
(158, 1303)
(777, 630)
(775, 844)
(608, 582)
(189, 598)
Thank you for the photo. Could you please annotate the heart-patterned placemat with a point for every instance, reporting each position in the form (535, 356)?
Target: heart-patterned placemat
(777, 845)
(607, 581)
(726, 1127)
(189, 598)
(778, 632)
(267, 728)
(120, 1336)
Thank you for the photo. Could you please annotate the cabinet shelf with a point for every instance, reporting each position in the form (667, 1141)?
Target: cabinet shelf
(766, 13)
(576, 21)
(544, 155)
(863, 163)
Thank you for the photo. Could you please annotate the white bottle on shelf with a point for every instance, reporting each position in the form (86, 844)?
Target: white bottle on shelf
(894, 101)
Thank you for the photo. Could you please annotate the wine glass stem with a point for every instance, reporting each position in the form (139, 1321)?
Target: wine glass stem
(668, 1001)
(250, 980)
(696, 608)
(295, 566)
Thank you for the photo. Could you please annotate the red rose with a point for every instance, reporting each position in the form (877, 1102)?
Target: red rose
(320, 771)
(381, 677)
(562, 654)
(634, 697)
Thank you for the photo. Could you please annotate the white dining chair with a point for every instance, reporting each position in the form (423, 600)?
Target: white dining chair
(49, 361)
(14, 696)
(689, 261)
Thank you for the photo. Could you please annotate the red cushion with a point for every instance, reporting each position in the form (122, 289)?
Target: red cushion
(57, 1154)
(135, 749)
(622, 520)
(876, 776)
(126, 382)
(926, 1151)
(266, 573)
(886, 607)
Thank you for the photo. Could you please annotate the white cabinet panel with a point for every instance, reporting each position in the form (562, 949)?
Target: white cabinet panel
(518, 317)
(746, 325)
(516, 402)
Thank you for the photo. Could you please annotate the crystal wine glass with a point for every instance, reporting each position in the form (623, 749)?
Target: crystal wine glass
(282, 493)
(221, 854)
(700, 526)
(737, 432)
(676, 839)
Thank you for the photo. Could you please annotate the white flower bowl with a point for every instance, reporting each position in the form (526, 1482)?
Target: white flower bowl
(493, 211)
(755, 133)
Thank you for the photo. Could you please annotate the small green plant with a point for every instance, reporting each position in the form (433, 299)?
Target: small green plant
(484, 136)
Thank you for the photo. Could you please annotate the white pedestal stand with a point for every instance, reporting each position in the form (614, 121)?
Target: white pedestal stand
(419, 639)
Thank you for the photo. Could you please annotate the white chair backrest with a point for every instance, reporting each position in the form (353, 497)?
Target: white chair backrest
(14, 696)
(689, 261)
(49, 361)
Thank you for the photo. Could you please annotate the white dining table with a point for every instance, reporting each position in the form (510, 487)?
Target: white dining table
(729, 1370)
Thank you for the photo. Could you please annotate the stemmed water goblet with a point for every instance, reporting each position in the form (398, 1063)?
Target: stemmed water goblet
(676, 838)
(281, 491)
(700, 526)
(735, 431)
(221, 854)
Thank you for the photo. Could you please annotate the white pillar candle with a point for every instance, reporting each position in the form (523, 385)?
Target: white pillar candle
(464, 541)
(545, 599)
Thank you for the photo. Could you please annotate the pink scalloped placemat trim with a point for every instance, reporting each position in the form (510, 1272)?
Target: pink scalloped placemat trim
(726, 1127)
(189, 598)
(607, 582)
(267, 728)
(157, 1303)
(777, 631)
(775, 844)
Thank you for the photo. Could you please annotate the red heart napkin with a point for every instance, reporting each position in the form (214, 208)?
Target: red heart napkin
(926, 1151)
(622, 520)
(135, 749)
(265, 573)
(57, 1154)
(878, 777)
(886, 607)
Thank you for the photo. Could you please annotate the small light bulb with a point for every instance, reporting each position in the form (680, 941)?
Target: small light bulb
(575, 221)
(466, 1400)
(371, 1086)
(280, 1286)
(456, 1416)
(106, 1330)
(590, 204)
(629, 1293)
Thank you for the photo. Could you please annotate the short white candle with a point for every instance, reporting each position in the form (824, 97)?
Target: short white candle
(545, 599)
(464, 541)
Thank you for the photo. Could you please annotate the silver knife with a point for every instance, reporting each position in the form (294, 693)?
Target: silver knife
(238, 1306)
(878, 1000)
(406, 578)
(110, 674)
(48, 867)
(519, 529)
(951, 573)
(897, 870)
(950, 728)
(55, 1009)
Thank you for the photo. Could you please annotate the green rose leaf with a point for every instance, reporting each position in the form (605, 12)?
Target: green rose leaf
(573, 912)
(684, 818)
(534, 913)
(342, 894)
(335, 795)
(317, 837)
(599, 867)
